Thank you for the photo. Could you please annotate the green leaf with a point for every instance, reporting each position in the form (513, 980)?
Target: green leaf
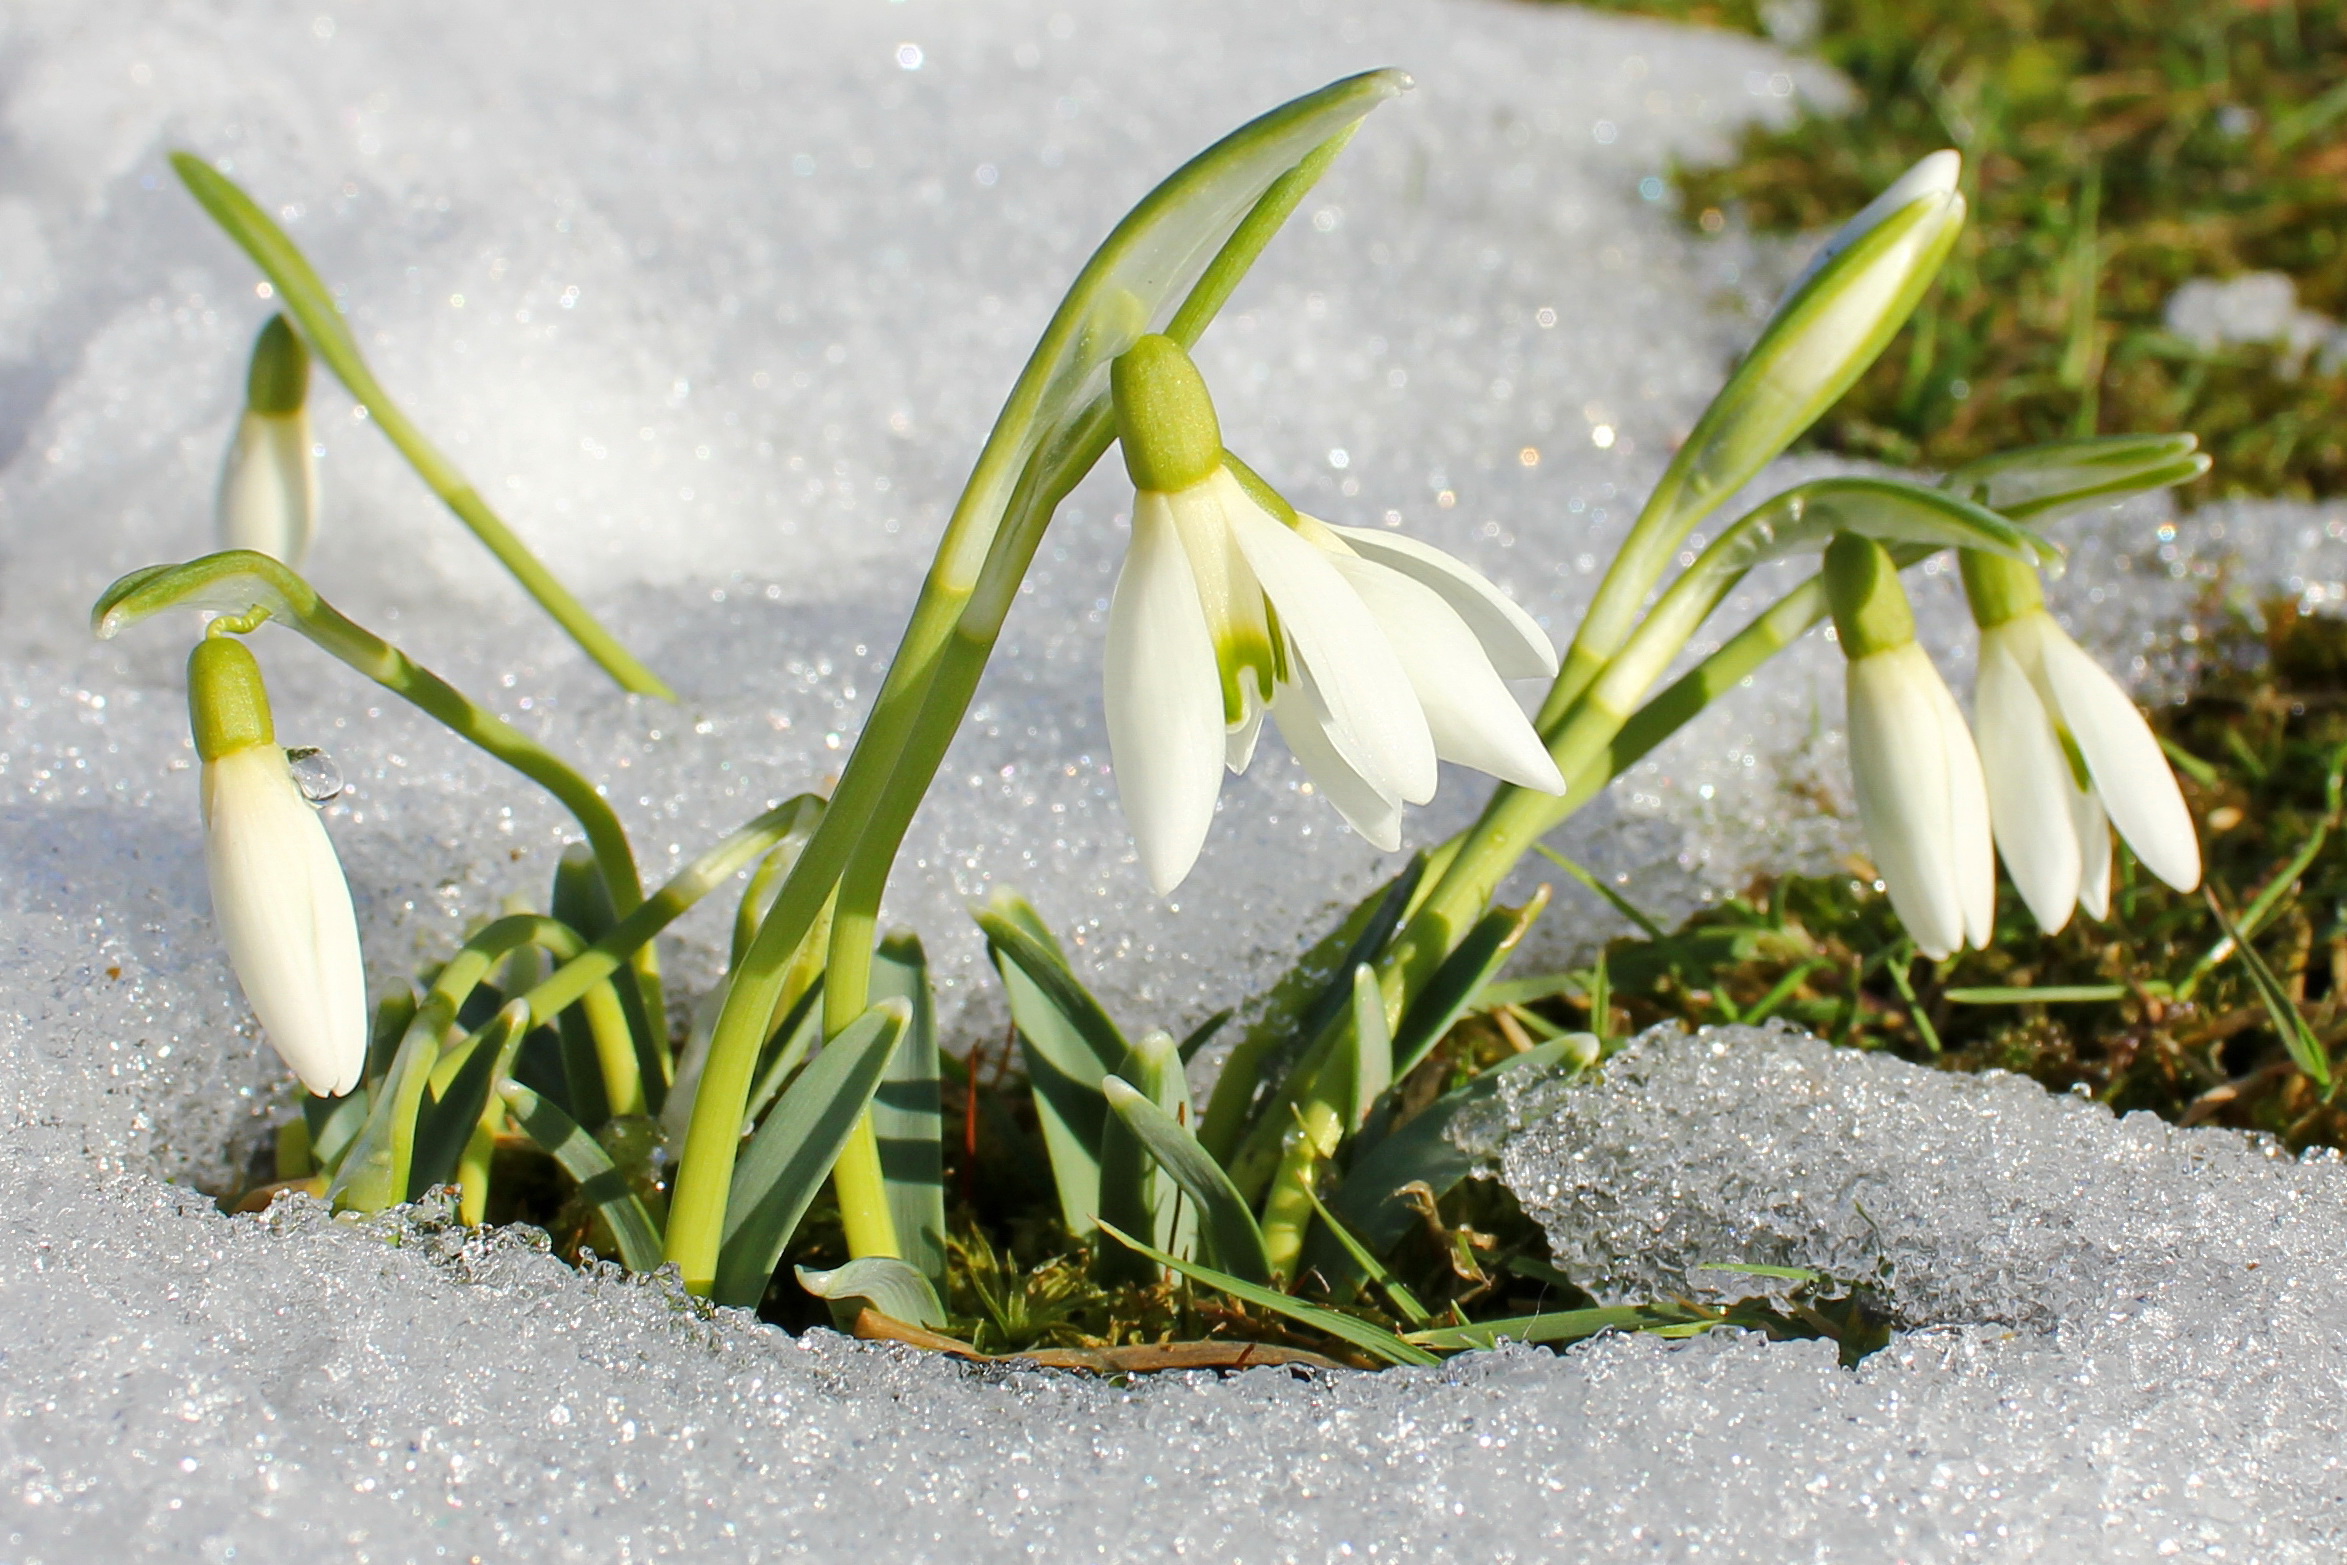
(2046, 994)
(1805, 518)
(582, 899)
(1135, 1192)
(1558, 1326)
(907, 1112)
(778, 1173)
(1371, 1066)
(307, 299)
(1405, 1302)
(1612, 898)
(2039, 483)
(1457, 985)
(1420, 1151)
(895, 1288)
(601, 1185)
(1301, 1003)
(1345, 1328)
(2305, 1048)
(1227, 1231)
(1066, 1041)
(1199, 1036)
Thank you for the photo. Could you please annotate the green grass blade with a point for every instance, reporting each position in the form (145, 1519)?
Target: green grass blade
(778, 1173)
(1557, 1326)
(1345, 1328)
(1227, 1231)
(308, 300)
(907, 1113)
(603, 1186)
(2050, 994)
(2305, 1048)
(1397, 1293)
(1372, 1065)
(1460, 980)
(1614, 899)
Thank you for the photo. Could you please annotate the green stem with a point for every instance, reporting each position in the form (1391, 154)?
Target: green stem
(308, 300)
(239, 581)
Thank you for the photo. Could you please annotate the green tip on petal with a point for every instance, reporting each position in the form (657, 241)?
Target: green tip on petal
(227, 705)
(1870, 607)
(1164, 418)
(1997, 588)
(279, 380)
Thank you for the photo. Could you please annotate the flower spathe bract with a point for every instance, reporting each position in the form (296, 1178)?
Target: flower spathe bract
(268, 497)
(278, 892)
(2068, 758)
(1373, 655)
(1921, 796)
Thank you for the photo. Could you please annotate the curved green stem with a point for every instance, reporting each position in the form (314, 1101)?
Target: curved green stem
(241, 582)
(308, 301)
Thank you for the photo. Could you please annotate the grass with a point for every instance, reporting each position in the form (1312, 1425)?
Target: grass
(2114, 150)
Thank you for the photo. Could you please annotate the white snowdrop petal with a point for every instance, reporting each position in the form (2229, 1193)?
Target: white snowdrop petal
(1469, 712)
(1971, 853)
(1369, 810)
(2094, 853)
(2029, 787)
(1514, 642)
(1899, 767)
(269, 487)
(1163, 701)
(1374, 720)
(284, 915)
(2131, 775)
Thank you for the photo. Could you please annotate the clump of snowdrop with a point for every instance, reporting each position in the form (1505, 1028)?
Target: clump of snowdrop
(1374, 654)
(2067, 756)
(278, 892)
(269, 485)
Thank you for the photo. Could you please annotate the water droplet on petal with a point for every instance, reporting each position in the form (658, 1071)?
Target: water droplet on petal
(315, 774)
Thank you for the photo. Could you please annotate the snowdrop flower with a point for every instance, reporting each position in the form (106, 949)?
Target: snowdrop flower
(2068, 756)
(277, 890)
(1374, 653)
(1921, 797)
(269, 486)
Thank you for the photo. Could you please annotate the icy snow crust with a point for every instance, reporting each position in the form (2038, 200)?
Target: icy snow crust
(718, 308)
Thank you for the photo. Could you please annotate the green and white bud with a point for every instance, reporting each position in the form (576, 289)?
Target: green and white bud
(278, 893)
(1835, 320)
(1921, 796)
(269, 484)
(2067, 755)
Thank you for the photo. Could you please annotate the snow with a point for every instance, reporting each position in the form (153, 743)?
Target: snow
(717, 304)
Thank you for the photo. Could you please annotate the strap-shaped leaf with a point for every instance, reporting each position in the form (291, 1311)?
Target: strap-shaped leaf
(2039, 483)
(600, 1185)
(1453, 989)
(1420, 1152)
(1371, 1066)
(786, 1162)
(1890, 510)
(2288, 1021)
(908, 1114)
(1227, 1231)
(1304, 1012)
(893, 1287)
(1065, 1042)
(1361, 1334)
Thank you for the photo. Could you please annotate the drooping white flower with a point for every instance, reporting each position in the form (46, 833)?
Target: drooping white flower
(269, 484)
(278, 893)
(1921, 795)
(2068, 757)
(1374, 654)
